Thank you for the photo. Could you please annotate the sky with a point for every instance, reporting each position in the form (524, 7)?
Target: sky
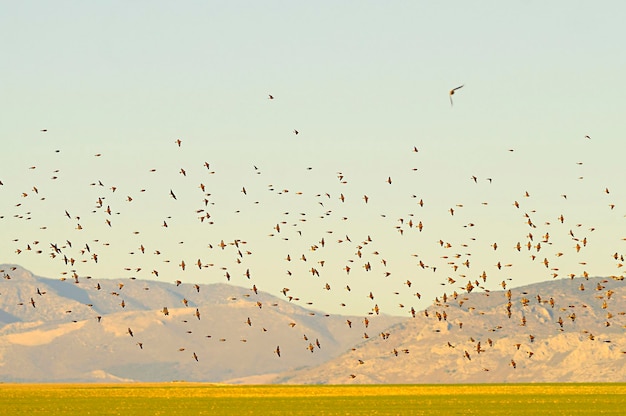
(116, 84)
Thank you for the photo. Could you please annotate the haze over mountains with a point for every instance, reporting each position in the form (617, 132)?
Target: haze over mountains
(562, 330)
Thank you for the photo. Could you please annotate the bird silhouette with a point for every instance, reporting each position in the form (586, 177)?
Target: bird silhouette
(452, 91)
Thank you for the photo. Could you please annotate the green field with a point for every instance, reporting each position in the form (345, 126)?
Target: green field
(211, 399)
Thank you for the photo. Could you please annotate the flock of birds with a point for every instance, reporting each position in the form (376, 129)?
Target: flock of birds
(332, 258)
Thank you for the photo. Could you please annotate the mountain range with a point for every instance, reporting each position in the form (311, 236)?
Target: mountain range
(80, 330)
(90, 330)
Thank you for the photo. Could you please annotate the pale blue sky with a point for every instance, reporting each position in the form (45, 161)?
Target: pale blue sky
(363, 82)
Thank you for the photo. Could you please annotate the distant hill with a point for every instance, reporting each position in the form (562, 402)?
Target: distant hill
(558, 331)
(79, 331)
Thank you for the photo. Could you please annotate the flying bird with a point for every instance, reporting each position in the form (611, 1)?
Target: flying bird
(452, 93)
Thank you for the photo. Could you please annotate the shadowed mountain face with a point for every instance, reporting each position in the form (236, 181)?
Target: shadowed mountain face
(80, 330)
(559, 331)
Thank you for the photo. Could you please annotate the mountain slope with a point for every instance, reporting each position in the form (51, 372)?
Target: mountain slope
(558, 331)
